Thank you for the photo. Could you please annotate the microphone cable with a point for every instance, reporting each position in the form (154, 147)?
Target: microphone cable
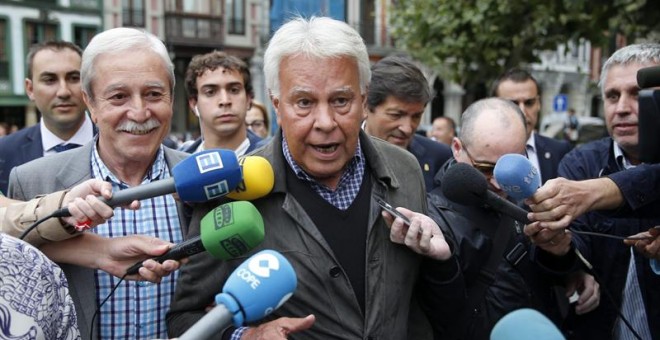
(96, 312)
(37, 223)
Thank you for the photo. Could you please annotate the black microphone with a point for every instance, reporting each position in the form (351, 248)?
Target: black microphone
(648, 77)
(198, 178)
(465, 185)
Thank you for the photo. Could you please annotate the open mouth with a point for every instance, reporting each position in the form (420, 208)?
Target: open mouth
(326, 148)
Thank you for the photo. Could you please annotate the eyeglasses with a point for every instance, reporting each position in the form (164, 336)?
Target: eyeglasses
(486, 168)
(530, 102)
(256, 124)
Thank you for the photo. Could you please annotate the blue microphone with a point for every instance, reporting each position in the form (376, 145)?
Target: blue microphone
(516, 175)
(255, 289)
(200, 177)
(525, 324)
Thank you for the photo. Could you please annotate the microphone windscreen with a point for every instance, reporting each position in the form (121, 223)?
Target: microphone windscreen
(516, 176)
(525, 324)
(232, 229)
(258, 179)
(206, 175)
(648, 77)
(258, 286)
(465, 185)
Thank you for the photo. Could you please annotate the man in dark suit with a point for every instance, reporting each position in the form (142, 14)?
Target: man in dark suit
(53, 84)
(521, 88)
(396, 99)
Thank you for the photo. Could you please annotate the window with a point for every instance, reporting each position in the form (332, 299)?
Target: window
(4, 58)
(83, 34)
(236, 16)
(36, 32)
(133, 13)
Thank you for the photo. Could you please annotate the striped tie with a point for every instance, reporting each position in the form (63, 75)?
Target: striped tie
(64, 147)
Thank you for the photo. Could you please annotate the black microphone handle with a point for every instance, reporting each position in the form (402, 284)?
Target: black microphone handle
(140, 192)
(210, 325)
(507, 208)
(184, 249)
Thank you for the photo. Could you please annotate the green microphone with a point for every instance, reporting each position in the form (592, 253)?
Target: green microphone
(226, 232)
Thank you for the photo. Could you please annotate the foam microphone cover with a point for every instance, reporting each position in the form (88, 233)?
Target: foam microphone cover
(516, 176)
(465, 185)
(258, 286)
(648, 77)
(258, 179)
(206, 175)
(525, 324)
(232, 229)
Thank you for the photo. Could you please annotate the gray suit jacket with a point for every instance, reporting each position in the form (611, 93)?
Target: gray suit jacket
(62, 171)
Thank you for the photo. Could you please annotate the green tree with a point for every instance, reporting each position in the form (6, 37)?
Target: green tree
(473, 41)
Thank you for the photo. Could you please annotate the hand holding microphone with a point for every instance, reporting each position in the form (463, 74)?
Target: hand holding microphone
(516, 175)
(255, 289)
(226, 232)
(201, 177)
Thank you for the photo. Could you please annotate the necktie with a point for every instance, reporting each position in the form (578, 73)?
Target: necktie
(64, 147)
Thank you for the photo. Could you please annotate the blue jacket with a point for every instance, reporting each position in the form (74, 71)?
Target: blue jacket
(609, 257)
(549, 152)
(431, 155)
(18, 148)
(255, 142)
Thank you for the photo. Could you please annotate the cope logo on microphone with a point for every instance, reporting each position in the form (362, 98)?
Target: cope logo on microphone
(260, 265)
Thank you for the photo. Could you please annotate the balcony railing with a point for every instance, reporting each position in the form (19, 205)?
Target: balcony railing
(193, 29)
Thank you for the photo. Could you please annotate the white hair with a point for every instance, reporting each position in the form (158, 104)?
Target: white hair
(317, 37)
(631, 54)
(116, 40)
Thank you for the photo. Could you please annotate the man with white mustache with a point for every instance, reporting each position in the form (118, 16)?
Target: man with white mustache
(127, 83)
(53, 84)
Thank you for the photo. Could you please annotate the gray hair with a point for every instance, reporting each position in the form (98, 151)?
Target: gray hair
(631, 54)
(116, 40)
(317, 37)
(502, 109)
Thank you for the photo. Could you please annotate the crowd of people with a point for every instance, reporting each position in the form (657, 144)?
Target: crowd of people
(346, 139)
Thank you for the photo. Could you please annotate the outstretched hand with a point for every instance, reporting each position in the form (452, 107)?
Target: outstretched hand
(86, 209)
(123, 252)
(423, 235)
(279, 329)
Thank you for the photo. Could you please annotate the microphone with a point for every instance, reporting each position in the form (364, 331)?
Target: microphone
(255, 289)
(525, 324)
(258, 179)
(648, 77)
(465, 185)
(226, 232)
(200, 177)
(516, 175)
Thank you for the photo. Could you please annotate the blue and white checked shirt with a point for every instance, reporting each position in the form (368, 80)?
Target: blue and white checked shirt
(136, 310)
(349, 183)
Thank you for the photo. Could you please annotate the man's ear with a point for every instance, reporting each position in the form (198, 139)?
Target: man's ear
(29, 88)
(276, 104)
(88, 102)
(192, 103)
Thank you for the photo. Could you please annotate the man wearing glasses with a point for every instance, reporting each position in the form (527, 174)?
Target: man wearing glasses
(491, 247)
(521, 88)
